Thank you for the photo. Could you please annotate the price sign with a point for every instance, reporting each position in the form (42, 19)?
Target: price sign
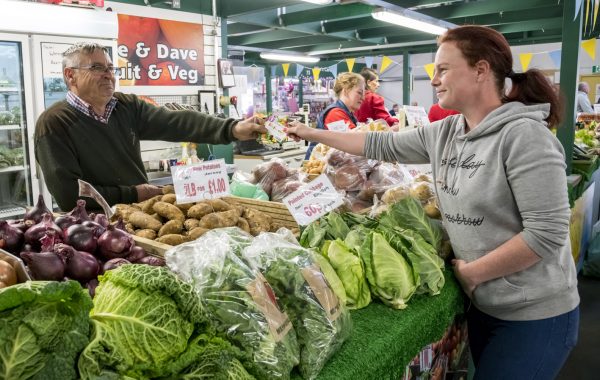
(339, 126)
(313, 200)
(205, 180)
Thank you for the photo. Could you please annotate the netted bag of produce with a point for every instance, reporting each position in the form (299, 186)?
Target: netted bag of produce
(44, 326)
(346, 171)
(321, 321)
(284, 187)
(149, 324)
(240, 302)
(267, 173)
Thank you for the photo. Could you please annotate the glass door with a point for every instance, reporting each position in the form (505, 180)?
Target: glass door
(15, 178)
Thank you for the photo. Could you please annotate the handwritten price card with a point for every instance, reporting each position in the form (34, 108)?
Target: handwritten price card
(313, 200)
(205, 180)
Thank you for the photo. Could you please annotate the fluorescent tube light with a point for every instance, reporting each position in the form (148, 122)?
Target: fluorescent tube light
(408, 22)
(289, 57)
(320, 2)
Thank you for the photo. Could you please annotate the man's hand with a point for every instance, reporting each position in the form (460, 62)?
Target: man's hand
(145, 191)
(249, 129)
(461, 273)
(298, 131)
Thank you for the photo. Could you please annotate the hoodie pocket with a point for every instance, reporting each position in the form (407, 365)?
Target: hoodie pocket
(498, 293)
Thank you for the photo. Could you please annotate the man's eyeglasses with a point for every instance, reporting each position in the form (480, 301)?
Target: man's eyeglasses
(99, 69)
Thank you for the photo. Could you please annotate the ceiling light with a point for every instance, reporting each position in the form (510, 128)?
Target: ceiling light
(408, 22)
(320, 2)
(289, 57)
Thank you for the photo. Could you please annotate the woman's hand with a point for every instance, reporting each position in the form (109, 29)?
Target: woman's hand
(298, 131)
(462, 275)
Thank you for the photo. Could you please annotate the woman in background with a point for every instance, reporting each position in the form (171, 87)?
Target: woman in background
(373, 106)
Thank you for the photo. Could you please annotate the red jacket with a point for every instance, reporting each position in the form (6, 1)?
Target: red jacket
(438, 113)
(373, 107)
(338, 114)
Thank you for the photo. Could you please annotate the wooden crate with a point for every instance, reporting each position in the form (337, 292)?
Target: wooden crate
(276, 210)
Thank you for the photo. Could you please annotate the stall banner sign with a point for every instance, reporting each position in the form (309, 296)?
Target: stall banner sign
(205, 180)
(339, 126)
(156, 52)
(313, 200)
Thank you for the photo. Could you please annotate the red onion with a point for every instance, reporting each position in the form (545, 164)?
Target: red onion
(79, 212)
(21, 224)
(80, 266)
(37, 231)
(65, 221)
(96, 227)
(120, 224)
(91, 286)
(44, 265)
(136, 253)
(115, 263)
(81, 238)
(11, 238)
(102, 220)
(37, 212)
(115, 243)
(151, 260)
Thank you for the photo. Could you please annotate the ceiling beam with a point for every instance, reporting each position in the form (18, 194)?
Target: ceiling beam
(333, 12)
(238, 29)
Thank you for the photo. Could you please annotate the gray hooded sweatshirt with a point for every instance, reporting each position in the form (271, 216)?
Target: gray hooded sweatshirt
(503, 178)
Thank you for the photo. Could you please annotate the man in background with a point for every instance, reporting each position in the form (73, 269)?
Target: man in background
(583, 102)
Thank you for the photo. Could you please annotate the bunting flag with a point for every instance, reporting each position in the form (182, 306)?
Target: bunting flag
(525, 59)
(385, 62)
(555, 55)
(299, 69)
(316, 71)
(286, 67)
(429, 68)
(333, 70)
(590, 47)
(369, 61)
(350, 63)
(577, 8)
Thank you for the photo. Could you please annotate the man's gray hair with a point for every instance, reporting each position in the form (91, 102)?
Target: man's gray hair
(72, 56)
(583, 86)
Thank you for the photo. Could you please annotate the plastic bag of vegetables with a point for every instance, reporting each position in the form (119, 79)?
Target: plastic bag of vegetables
(321, 321)
(36, 318)
(149, 324)
(240, 302)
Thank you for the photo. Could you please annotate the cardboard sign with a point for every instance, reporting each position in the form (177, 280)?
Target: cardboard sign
(206, 180)
(416, 116)
(339, 126)
(313, 200)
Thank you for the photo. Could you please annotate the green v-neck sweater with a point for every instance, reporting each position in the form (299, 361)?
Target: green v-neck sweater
(70, 146)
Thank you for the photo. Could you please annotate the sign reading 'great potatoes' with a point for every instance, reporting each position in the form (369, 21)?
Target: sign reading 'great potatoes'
(155, 52)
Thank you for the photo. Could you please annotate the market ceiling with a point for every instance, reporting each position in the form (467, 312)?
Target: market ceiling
(345, 28)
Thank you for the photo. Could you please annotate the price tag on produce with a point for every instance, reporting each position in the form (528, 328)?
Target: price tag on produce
(339, 126)
(313, 200)
(205, 180)
(275, 128)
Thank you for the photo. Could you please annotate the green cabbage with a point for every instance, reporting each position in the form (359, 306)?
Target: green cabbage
(224, 283)
(349, 268)
(389, 275)
(321, 321)
(147, 324)
(44, 325)
(332, 278)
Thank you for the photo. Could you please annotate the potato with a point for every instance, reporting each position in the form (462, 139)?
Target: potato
(258, 221)
(169, 211)
(142, 220)
(395, 194)
(191, 223)
(199, 210)
(219, 205)
(422, 191)
(173, 239)
(197, 232)
(171, 227)
(157, 217)
(220, 219)
(184, 207)
(243, 224)
(169, 189)
(169, 198)
(146, 233)
(130, 228)
(124, 210)
(432, 210)
(146, 206)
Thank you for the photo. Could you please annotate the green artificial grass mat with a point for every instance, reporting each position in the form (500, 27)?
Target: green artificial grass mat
(385, 340)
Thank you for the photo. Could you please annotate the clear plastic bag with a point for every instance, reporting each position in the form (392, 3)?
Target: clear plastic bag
(239, 301)
(267, 173)
(321, 321)
(346, 171)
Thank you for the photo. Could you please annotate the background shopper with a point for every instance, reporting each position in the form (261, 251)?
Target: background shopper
(94, 134)
(512, 247)
(373, 106)
(583, 102)
(438, 113)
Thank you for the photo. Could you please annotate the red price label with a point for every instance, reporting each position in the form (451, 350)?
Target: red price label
(216, 186)
(311, 210)
(189, 189)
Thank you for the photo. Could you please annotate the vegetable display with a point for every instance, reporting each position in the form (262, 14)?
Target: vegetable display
(321, 321)
(43, 328)
(146, 324)
(239, 301)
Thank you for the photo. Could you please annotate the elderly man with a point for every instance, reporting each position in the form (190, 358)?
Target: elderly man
(94, 134)
(583, 102)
